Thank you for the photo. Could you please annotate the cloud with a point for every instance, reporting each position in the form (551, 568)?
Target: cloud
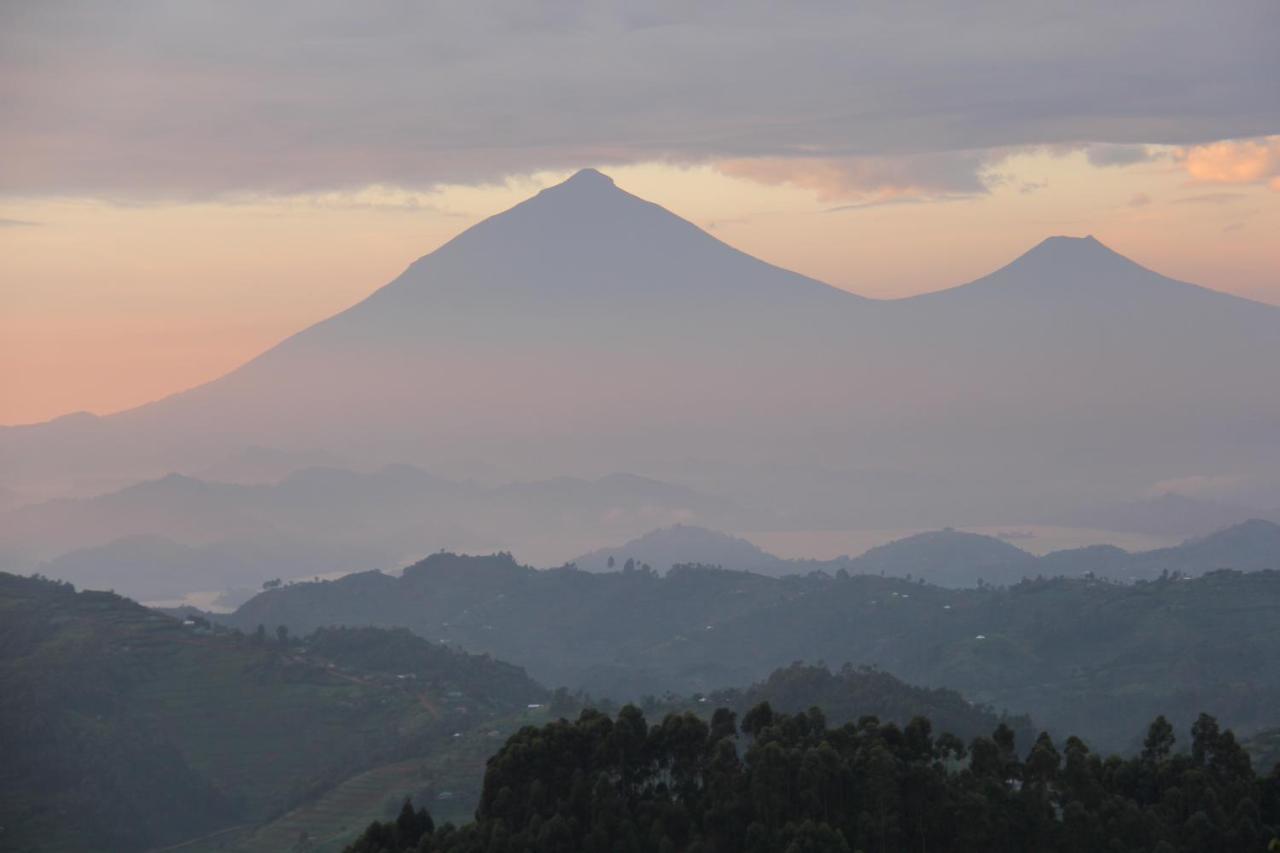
(874, 180)
(1140, 200)
(1211, 198)
(1243, 161)
(1204, 486)
(1118, 155)
(17, 223)
(147, 98)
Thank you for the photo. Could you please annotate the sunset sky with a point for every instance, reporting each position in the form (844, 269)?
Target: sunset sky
(183, 185)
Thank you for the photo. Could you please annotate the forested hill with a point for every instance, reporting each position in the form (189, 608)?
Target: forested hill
(122, 728)
(1077, 654)
(850, 693)
(791, 783)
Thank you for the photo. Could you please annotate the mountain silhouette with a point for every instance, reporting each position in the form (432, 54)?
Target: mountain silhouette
(586, 330)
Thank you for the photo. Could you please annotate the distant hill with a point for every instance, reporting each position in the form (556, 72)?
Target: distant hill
(683, 543)
(1252, 545)
(148, 730)
(165, 537)
(153, 568)
(1249, 546)
(948, 558)
(1063, 649)
(851, 693)
(1169, 514)
(954, 558)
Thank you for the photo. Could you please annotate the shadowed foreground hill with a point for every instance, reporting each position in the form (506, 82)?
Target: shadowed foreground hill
(792, 783)
(1077, 654)
(851, 693)
(122, 728)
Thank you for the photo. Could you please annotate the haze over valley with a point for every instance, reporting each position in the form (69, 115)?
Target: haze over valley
(642, 428)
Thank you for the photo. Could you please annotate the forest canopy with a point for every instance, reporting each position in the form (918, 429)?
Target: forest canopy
(789, 782)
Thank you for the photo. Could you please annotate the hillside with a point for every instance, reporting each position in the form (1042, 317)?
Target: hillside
(853, 693)
(948, 558)
(125, 729)
(1066, 650)
(681, 543)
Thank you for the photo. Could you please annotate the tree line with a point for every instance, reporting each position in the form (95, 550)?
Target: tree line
(788, 782)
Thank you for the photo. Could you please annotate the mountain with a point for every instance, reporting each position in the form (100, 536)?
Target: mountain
(163, 538)
(948, 558)
(682, 543)
(124, 729)
(1252, 545)
(586, 330)
(954, 558)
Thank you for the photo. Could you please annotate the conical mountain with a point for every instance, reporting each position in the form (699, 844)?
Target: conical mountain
(586, 330)
(578, 253)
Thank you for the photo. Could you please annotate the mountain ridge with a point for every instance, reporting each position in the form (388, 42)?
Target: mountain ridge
(588, 330)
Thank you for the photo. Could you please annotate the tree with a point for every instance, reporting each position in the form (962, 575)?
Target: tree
(602, 784)
(282, 634)
(1159, 741)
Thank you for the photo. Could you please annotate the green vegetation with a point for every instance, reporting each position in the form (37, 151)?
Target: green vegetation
(122, 728)
(1078, 654)
(796, 785)
(852, 693)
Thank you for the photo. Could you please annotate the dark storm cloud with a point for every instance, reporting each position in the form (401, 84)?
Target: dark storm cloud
(140, 99)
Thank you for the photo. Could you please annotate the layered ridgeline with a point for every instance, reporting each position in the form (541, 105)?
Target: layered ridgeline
(953, 558)
(586, 330)
(1079, 654)
(162, 538)
(124, 729)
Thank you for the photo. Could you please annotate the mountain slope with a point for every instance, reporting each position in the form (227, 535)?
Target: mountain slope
(586, 330)
(148, 730)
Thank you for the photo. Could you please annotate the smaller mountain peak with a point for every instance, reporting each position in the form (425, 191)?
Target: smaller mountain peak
(1074, 250)
(1062, 241)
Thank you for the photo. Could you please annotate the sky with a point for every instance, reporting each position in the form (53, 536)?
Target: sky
(183, 185)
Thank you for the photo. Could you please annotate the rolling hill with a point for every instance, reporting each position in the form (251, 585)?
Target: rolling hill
(681, 543)
(124, 729)
(1078, 653)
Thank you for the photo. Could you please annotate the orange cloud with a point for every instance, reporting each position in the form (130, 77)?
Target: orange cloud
(1246, 161)
(870, 179)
